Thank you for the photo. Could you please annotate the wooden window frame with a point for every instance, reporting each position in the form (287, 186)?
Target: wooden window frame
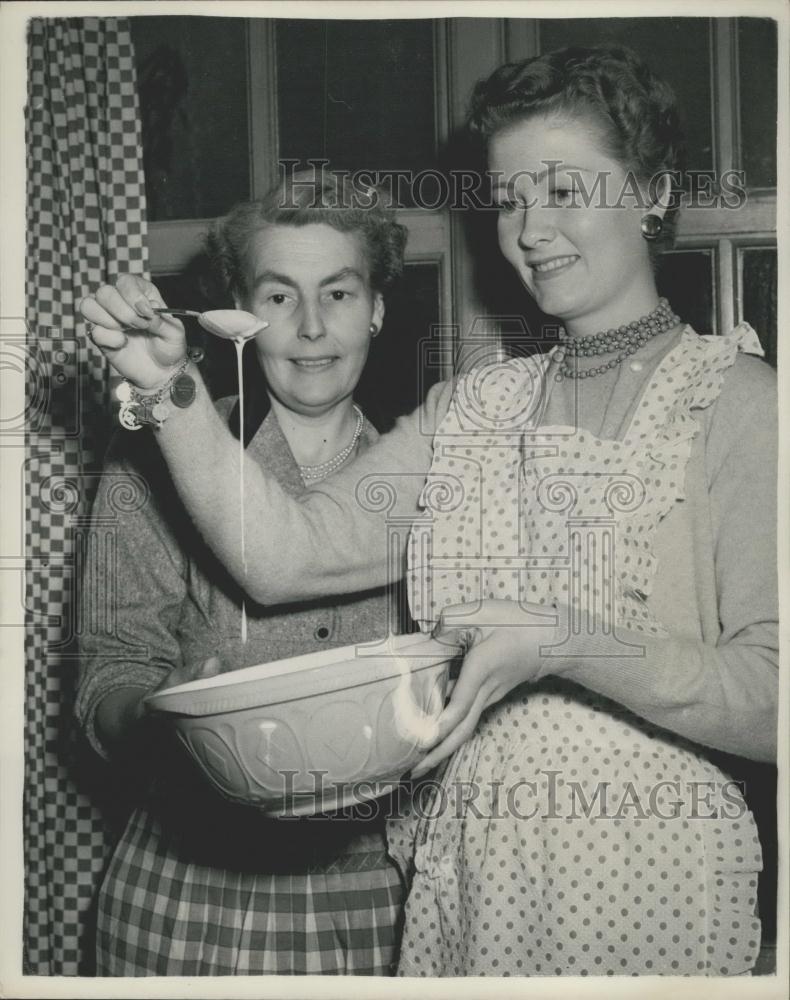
(465, 50)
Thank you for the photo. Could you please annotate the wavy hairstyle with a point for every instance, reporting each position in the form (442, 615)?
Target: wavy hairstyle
(323, 196)
(635, 111)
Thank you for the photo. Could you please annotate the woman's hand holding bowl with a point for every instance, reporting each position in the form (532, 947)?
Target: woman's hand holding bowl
(503, 640)
(195, 671)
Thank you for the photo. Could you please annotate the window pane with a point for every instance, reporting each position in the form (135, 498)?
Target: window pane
(758, 295)
(757, 65)
(676, 48)
(396, 377)
(686, 278)
(357, 93)
(192, 83)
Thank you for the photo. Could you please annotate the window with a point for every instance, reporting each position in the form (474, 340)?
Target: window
(216, 127)
(719, 67)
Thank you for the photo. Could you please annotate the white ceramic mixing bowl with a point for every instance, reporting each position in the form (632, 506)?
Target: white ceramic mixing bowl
(317, 732)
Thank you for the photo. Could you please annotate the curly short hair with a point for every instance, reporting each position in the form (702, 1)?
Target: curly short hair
(322, 196)
(636, 112)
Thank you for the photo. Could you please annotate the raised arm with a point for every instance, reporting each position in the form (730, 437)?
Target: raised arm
(329, 541)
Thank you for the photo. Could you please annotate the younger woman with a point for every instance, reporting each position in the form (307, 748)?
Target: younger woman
(605, 537)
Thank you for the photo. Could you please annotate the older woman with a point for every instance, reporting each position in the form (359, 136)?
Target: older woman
(602, 554)
(197, 886)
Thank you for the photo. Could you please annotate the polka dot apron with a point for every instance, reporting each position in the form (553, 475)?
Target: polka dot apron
(568, 836)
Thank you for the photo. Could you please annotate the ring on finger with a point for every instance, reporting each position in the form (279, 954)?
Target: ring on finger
(466, 638)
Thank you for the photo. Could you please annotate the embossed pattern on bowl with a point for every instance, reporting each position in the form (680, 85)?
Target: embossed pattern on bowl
(312, 733)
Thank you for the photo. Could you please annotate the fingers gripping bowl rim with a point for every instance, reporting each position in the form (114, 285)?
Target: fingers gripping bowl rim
(317, 732)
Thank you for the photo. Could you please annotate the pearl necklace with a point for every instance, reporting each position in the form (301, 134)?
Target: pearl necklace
(323, 469)
(626, 339)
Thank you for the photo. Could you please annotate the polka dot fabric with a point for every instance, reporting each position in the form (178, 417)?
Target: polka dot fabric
(568, 836)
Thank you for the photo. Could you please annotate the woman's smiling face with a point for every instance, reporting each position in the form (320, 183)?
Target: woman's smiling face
(577, 247)
(311, 284)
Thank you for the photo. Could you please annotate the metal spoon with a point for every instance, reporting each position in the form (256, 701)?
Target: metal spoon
(231, 324)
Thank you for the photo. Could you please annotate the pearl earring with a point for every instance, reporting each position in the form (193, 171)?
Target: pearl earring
(373, 329)
(651, 226)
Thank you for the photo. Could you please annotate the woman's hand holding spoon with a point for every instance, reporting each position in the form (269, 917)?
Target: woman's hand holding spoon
(141, 345)
(144, 340)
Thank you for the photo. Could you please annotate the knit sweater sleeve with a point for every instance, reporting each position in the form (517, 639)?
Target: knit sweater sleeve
(132, 587)
(724, 695)
(333, 538)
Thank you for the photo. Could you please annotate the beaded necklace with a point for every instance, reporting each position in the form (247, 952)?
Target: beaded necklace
(626, 340)
(323, 469)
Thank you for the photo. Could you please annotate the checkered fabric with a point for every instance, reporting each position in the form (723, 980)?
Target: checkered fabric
(163, 913)
(85, 224)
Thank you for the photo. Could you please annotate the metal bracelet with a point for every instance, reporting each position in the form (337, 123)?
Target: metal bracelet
(138, 410)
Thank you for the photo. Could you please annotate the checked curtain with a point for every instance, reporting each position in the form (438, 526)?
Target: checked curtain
(85, 225)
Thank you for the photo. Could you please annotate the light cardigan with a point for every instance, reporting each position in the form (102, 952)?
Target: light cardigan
(713, 679)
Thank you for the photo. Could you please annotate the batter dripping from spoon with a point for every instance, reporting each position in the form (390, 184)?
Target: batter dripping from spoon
(238, 326)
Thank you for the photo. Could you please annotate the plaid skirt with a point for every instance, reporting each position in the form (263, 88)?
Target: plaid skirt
(167, 909)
